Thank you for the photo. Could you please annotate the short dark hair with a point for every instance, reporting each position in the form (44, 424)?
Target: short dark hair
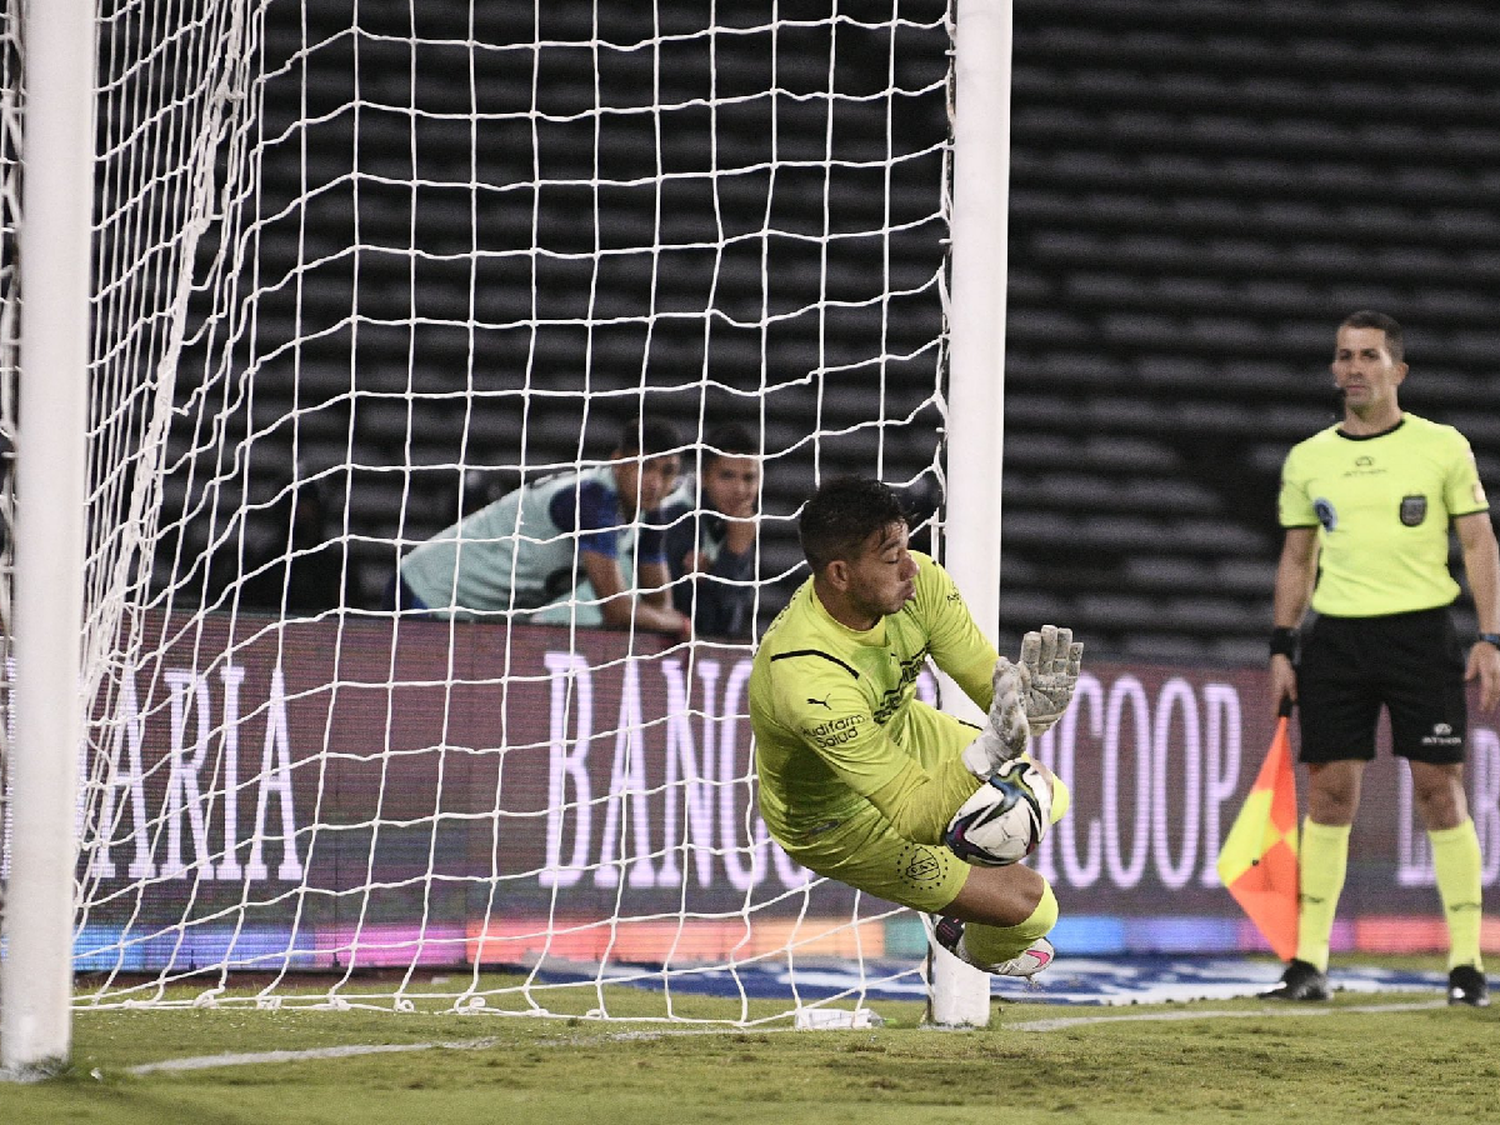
(729, 440)
(649, 435)
(1369, 318)
(842, 514)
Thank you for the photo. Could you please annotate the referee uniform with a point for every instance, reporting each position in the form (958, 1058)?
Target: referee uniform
(1368, 506)
(1383, 633)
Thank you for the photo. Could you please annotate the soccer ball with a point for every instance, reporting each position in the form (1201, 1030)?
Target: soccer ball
(1005, 819)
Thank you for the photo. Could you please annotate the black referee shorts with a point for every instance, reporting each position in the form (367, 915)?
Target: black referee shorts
(1411, 663)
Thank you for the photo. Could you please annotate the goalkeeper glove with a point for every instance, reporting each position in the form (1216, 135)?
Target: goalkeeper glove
(1050, 661)
(1006, 731)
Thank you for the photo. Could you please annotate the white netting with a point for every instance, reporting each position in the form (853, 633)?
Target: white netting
(362, 268)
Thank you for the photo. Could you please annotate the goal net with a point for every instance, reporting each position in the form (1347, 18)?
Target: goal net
(362, 268)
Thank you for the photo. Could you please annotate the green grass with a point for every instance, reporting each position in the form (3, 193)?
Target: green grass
(1269, 1064)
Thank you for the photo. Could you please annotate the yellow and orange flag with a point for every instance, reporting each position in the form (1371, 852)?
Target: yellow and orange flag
(1258, 862)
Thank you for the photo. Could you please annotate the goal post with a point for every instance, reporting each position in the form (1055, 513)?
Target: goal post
(976, 378)
(36, 977)
(360, 270)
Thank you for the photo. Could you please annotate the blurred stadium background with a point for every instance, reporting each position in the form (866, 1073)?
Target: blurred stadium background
(1200, 190)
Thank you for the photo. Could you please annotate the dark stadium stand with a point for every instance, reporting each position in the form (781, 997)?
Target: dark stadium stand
(1199, 192)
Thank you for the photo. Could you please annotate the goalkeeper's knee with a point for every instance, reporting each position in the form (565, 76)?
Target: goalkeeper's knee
(1040, 921)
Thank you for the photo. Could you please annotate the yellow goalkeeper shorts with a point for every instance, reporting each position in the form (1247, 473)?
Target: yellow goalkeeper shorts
(864, 850)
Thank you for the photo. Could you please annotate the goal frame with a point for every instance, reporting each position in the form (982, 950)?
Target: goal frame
(36, 977)
(54, 246)
(979, 230)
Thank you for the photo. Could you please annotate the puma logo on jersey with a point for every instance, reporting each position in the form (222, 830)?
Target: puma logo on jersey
(820, 702)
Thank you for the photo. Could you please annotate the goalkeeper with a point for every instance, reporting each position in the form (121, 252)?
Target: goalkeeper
(859, 780)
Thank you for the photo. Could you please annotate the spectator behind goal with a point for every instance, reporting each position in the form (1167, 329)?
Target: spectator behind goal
(582, 546)
(710, 537)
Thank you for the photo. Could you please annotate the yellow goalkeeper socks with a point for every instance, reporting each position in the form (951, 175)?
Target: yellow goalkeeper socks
(1458, 865)
(1322, 860)
(993, 945)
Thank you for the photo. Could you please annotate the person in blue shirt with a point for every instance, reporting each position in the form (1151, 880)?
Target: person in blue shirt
(584, 547)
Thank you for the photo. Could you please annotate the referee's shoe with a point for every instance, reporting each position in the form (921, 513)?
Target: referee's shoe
(1466, 985)
(1301, 981)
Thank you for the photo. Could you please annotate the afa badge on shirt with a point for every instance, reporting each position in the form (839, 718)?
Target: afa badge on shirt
(1413, 510)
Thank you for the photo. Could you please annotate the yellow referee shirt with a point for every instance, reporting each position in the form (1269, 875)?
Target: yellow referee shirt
(1382, 505)
(833, 712)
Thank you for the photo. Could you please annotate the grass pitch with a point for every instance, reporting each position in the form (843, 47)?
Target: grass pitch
(1395, 1058)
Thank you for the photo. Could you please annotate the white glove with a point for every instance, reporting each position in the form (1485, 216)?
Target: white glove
(1006, 732)
(1050, 661)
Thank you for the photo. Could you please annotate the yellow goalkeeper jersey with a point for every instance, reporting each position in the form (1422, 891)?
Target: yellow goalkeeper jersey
(1382, 505)
(830, 707)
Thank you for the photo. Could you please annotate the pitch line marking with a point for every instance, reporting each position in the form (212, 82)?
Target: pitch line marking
(1272, 1013)
(207, 1062)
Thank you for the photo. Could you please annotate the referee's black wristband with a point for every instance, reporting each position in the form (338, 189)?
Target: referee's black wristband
(1490, 639)
(1284, 643)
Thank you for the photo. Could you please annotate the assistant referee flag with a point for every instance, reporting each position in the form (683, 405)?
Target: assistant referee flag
(1258, 862)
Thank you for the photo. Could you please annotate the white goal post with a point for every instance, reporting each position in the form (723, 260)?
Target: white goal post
(46, 611)
(357, 270)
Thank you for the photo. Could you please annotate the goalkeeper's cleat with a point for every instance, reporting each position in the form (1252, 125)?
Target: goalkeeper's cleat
(1466, 985)
(949, 933)
(1030, 961)
(1301, 981)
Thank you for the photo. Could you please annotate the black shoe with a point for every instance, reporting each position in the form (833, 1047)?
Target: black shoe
(1466, 985)
(1301, 981)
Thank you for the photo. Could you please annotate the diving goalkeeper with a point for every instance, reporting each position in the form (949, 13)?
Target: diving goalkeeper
(864, 783)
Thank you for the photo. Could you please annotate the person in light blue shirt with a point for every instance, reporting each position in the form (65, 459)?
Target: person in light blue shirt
(582, 547)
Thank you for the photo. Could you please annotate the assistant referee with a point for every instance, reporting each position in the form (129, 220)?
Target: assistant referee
(1367, 505)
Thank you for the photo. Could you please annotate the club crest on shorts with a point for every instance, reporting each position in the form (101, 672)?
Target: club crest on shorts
(1413, 510)
(920, 866)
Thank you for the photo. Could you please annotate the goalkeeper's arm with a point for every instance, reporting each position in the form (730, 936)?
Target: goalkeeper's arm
(919, 804)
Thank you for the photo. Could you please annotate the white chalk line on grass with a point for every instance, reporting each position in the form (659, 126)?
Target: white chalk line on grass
(255, 1058)
(1062, 1022)
(208, 1062)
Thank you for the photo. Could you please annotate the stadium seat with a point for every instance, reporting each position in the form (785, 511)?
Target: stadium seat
(1197, 194)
